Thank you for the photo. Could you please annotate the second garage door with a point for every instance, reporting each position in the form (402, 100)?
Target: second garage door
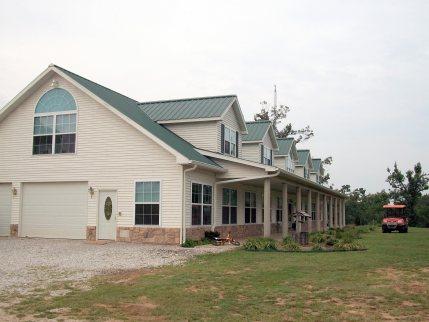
(54, 210)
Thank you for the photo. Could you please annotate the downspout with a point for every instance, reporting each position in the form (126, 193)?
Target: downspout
(183, 230)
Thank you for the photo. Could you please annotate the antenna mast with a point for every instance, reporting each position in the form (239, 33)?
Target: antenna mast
(275, 96)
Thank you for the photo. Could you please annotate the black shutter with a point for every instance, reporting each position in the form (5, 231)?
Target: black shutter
(271, 157)
(262, 154)
(222, 138)
(236, 144)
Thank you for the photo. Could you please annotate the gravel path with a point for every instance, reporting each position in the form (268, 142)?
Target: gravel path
(28, 263)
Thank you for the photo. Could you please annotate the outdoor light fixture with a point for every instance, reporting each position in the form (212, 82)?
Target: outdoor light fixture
(54, 83)
(91, 191)
(14, 191)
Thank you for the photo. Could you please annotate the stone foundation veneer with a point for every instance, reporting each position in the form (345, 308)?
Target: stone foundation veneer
(91, 233)
(237, 231)
(14, 230)
(148, 235)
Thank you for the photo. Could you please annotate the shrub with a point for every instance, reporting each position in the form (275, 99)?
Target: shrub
(290, 244)
(347, 246)
(317, 247)
(211, 234)
(331, 240)
(318, 238)
(260, 243)
(190, 243)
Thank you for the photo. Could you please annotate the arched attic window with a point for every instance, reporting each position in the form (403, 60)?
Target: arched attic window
(55, 123)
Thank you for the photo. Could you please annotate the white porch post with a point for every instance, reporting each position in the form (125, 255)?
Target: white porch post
(298, 208)
(335, 213)
(285, 221)
(309, 207)
(318, 217)
(344, 212)
(331, 213)
(325, 212)
(267, 207)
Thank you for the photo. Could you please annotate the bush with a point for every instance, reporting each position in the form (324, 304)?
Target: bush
(317, 247)
(347, 246)
(211, 234)
(331, 240)
(190, 243)
(318, 238)
(260, 243)
(290, 244)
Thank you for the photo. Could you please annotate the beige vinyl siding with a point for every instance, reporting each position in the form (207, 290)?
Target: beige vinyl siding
(280, 162)
(267, 142)
(299, 170)
(252, 152)
(202, 135)
(110, 154)
(5, 208)
(230, 121)
(236, 170)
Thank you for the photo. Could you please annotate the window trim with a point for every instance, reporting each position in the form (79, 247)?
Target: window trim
(256, 207)
(54, 114)
(264, 149)
(159, 202)
(279, 209)
(202, 204)
(229, 208)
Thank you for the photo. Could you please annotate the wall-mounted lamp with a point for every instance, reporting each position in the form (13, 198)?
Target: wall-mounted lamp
(91, 191)
(14, 191)
(54, 83)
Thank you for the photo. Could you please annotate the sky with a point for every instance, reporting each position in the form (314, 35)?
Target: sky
(356, 71)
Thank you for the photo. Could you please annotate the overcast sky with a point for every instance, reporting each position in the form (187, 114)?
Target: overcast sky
(357, 72)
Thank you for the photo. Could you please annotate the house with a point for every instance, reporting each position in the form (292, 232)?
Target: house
(81, 161)
(317, 172)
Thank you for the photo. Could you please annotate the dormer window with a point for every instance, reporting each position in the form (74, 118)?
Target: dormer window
(290, 164)
(229, 141)
(54, 130)
(266, 155)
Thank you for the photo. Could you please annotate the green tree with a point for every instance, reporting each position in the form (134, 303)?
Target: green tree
(407, 188)
(422, 212)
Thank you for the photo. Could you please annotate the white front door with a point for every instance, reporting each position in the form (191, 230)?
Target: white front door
(107, 210)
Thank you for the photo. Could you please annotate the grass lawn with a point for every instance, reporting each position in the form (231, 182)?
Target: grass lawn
(390, 280)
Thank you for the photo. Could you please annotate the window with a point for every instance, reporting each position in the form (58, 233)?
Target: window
(267, 156)
(230, 142)
(54, 128)
(279, 210)
(147, 203)
(306, 173)
(229, 206)
(290, 165)
(313, 211)
(201, 204)
(250, 207)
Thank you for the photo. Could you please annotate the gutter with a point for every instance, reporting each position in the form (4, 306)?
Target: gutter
(183, 230)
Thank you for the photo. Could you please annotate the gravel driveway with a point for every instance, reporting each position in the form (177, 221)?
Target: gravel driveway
(28, 263)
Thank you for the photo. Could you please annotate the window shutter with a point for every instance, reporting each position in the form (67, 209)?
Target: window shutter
(262, 154)
(271, 157)
(222, 138)
(236, 144)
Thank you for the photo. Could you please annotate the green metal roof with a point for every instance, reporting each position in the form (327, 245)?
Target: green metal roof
(188, 108)
(303, 156)
(284, 146)
(317, 163)
(256, 130)
(129, 108)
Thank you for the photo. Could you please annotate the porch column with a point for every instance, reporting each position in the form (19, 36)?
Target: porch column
(267, 207)
(325, 212)
(298, 208)
(285, 221)
(344, 212)
(331, 213)
(318, 217)
(309, 207)
(335, 213)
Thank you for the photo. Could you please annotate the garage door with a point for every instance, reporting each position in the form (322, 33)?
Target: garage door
(5, 208)
(54, 210)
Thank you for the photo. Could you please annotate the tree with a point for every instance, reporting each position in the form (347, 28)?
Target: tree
(422, 212)
(407, 189)
(278, 114)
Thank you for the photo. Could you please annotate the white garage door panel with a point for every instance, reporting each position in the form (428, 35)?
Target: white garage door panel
(55, 210)
(5, 208)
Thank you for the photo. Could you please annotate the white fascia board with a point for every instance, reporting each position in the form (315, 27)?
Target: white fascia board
(206, 119)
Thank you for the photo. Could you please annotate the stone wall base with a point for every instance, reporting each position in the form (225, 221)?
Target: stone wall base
(14, 230)
(237, 231)
(148, 235)
(91, 233)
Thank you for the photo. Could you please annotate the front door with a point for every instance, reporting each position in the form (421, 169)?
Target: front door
(107, 210)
